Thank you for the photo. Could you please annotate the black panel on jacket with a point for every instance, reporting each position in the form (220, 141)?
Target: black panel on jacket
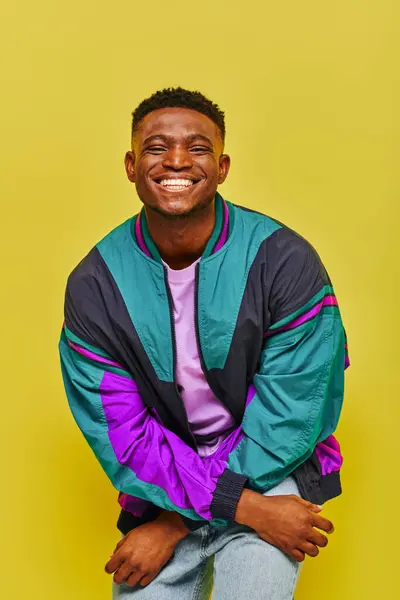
(286, 273)
(295, 273)
(96, 312)
(314, 486)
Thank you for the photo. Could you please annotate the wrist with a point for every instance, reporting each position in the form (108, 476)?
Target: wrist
(248, 508)
(174, 524)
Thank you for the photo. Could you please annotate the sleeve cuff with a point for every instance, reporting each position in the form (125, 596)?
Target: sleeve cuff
(226, 495)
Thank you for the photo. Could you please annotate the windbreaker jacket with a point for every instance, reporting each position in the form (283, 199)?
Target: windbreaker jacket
(272, 347)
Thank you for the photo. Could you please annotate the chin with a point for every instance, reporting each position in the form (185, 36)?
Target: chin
(174, 207)
(175, 211)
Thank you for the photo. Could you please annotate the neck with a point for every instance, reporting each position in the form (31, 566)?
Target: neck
(182, 240)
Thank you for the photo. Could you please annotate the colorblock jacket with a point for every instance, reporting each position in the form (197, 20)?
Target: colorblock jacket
(272, 347)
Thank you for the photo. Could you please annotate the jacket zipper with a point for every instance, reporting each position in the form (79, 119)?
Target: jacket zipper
(199, 351)
(174, 352)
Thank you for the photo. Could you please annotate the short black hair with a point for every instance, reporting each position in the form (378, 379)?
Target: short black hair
(179, 97)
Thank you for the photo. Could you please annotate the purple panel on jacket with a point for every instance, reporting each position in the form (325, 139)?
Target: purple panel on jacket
(137, 506)
(329, 455)
(155, 454)
(134, 505)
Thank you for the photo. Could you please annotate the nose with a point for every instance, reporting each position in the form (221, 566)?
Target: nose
(177, 158)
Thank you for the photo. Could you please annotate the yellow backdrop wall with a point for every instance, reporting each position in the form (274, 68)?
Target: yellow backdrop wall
(311, 94)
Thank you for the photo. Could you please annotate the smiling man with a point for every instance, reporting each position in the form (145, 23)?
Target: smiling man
(203, 357)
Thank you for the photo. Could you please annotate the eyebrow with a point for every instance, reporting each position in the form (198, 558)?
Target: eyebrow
(167, 138)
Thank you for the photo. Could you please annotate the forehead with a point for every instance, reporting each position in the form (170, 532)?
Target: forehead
(177, 122)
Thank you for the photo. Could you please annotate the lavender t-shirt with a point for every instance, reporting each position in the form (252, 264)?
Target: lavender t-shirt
(209, 420)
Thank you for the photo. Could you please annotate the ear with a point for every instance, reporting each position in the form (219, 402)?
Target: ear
(130, 165)
(224, 165)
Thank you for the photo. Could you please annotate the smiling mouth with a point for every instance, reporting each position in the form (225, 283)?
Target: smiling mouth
(176, 185)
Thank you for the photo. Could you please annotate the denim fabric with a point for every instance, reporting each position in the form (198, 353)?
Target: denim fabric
(231, 563)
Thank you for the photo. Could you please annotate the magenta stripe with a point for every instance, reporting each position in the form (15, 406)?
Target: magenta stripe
(152, 452)
(328, 453)
(139, 236)
(346, 361)
(327, 301)
(224, 233)
(134, 505)
(94, 356)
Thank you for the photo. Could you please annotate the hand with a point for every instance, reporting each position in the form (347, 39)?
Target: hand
(287, 522)
(141, 554)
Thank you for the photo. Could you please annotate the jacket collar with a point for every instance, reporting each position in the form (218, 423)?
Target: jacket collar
(217, 240)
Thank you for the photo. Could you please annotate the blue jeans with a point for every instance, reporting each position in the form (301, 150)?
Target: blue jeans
(233, 562)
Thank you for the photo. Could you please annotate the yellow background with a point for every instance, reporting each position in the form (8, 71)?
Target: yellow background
(311, 94)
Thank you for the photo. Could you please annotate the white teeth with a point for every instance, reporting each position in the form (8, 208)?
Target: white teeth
(176, 183)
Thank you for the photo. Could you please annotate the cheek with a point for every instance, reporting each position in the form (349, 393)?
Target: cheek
(210, 167)
(145, 165)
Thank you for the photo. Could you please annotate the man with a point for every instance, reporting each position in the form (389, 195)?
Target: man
(203, 357)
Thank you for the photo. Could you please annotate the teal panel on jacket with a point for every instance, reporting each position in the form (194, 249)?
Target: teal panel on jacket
(299, 395)
(335, 390)
(82, 384)
(254, 460)
(222, 281)
(141, 281)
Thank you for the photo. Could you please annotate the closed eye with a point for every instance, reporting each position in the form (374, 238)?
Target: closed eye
(199, 149)
(155, 149)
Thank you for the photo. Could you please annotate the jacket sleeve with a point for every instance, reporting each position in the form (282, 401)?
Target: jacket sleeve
(141, 457)
(296, 395)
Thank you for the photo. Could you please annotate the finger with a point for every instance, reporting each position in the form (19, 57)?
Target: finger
(298, 555)
(134, 578)
(317, 538)
(148, 578)
(309, 549)
(114, 563)
(123, 572)
(323, 524)
(119, 544)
